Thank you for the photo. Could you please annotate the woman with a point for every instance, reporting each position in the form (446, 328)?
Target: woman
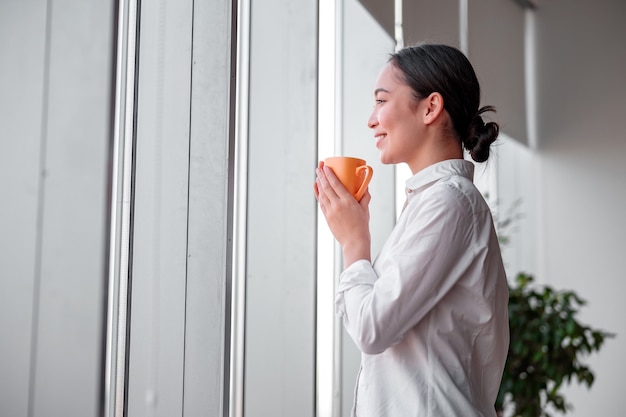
(430, 313)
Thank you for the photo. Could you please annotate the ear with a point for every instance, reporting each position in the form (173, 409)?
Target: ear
(434, 107)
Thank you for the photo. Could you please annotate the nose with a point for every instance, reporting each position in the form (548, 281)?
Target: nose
(372, 122)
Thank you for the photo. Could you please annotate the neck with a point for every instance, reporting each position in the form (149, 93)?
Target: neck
(436, 151)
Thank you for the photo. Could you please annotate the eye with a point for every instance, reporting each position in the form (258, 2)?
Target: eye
(379, 101)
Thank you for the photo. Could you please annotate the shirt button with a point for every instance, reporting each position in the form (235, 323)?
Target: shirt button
(409, 190)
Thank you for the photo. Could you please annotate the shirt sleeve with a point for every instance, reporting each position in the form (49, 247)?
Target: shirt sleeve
(430, 255)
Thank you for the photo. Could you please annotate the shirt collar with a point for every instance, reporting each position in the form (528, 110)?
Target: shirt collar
(432, 173)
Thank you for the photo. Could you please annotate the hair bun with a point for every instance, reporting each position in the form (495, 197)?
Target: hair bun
(481, 135)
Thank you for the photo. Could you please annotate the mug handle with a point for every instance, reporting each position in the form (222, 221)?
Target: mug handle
(366, 180)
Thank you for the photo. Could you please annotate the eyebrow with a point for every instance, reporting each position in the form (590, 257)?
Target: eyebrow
(380, 90)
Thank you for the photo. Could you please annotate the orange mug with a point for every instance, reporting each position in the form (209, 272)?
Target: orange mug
(354, 173)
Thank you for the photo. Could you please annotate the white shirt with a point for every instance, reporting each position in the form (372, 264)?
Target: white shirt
(430, 315)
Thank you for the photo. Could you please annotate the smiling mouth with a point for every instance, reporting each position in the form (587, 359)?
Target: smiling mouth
(379, 138)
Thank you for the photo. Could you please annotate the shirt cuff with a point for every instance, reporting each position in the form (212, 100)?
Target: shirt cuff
(359, 273)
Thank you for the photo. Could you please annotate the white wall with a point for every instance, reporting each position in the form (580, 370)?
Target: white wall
(579, 183)
(571, 182)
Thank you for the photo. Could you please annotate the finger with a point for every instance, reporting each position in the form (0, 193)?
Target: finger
(337, 186)
(316, 190)
(324, 185)
(365, 200)
(321, 194)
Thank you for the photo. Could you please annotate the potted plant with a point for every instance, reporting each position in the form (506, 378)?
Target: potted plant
(546, 350)
(548, 342)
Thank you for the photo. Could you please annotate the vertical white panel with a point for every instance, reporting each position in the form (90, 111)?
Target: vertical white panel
(383, 11)
(496, 49)
(21, 94)
(239, 152)
(517, 169)
(431, 21)
(280, 294)
(68, 360)
(423, 20)
(328, 371)
(159, 263)
(120, 218)
(182, 232)
(209, 229)
(365, 49)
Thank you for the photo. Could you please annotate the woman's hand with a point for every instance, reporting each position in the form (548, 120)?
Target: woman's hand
(347, 219)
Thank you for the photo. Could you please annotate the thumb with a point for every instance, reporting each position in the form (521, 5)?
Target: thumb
(365, 200)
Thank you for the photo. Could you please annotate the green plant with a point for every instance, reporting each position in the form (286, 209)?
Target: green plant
(546, 348)
(548, 343)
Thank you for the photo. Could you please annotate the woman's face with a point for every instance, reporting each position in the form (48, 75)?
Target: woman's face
(397, 127)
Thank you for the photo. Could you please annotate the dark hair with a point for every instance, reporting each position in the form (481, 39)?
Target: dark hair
(429, 68)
